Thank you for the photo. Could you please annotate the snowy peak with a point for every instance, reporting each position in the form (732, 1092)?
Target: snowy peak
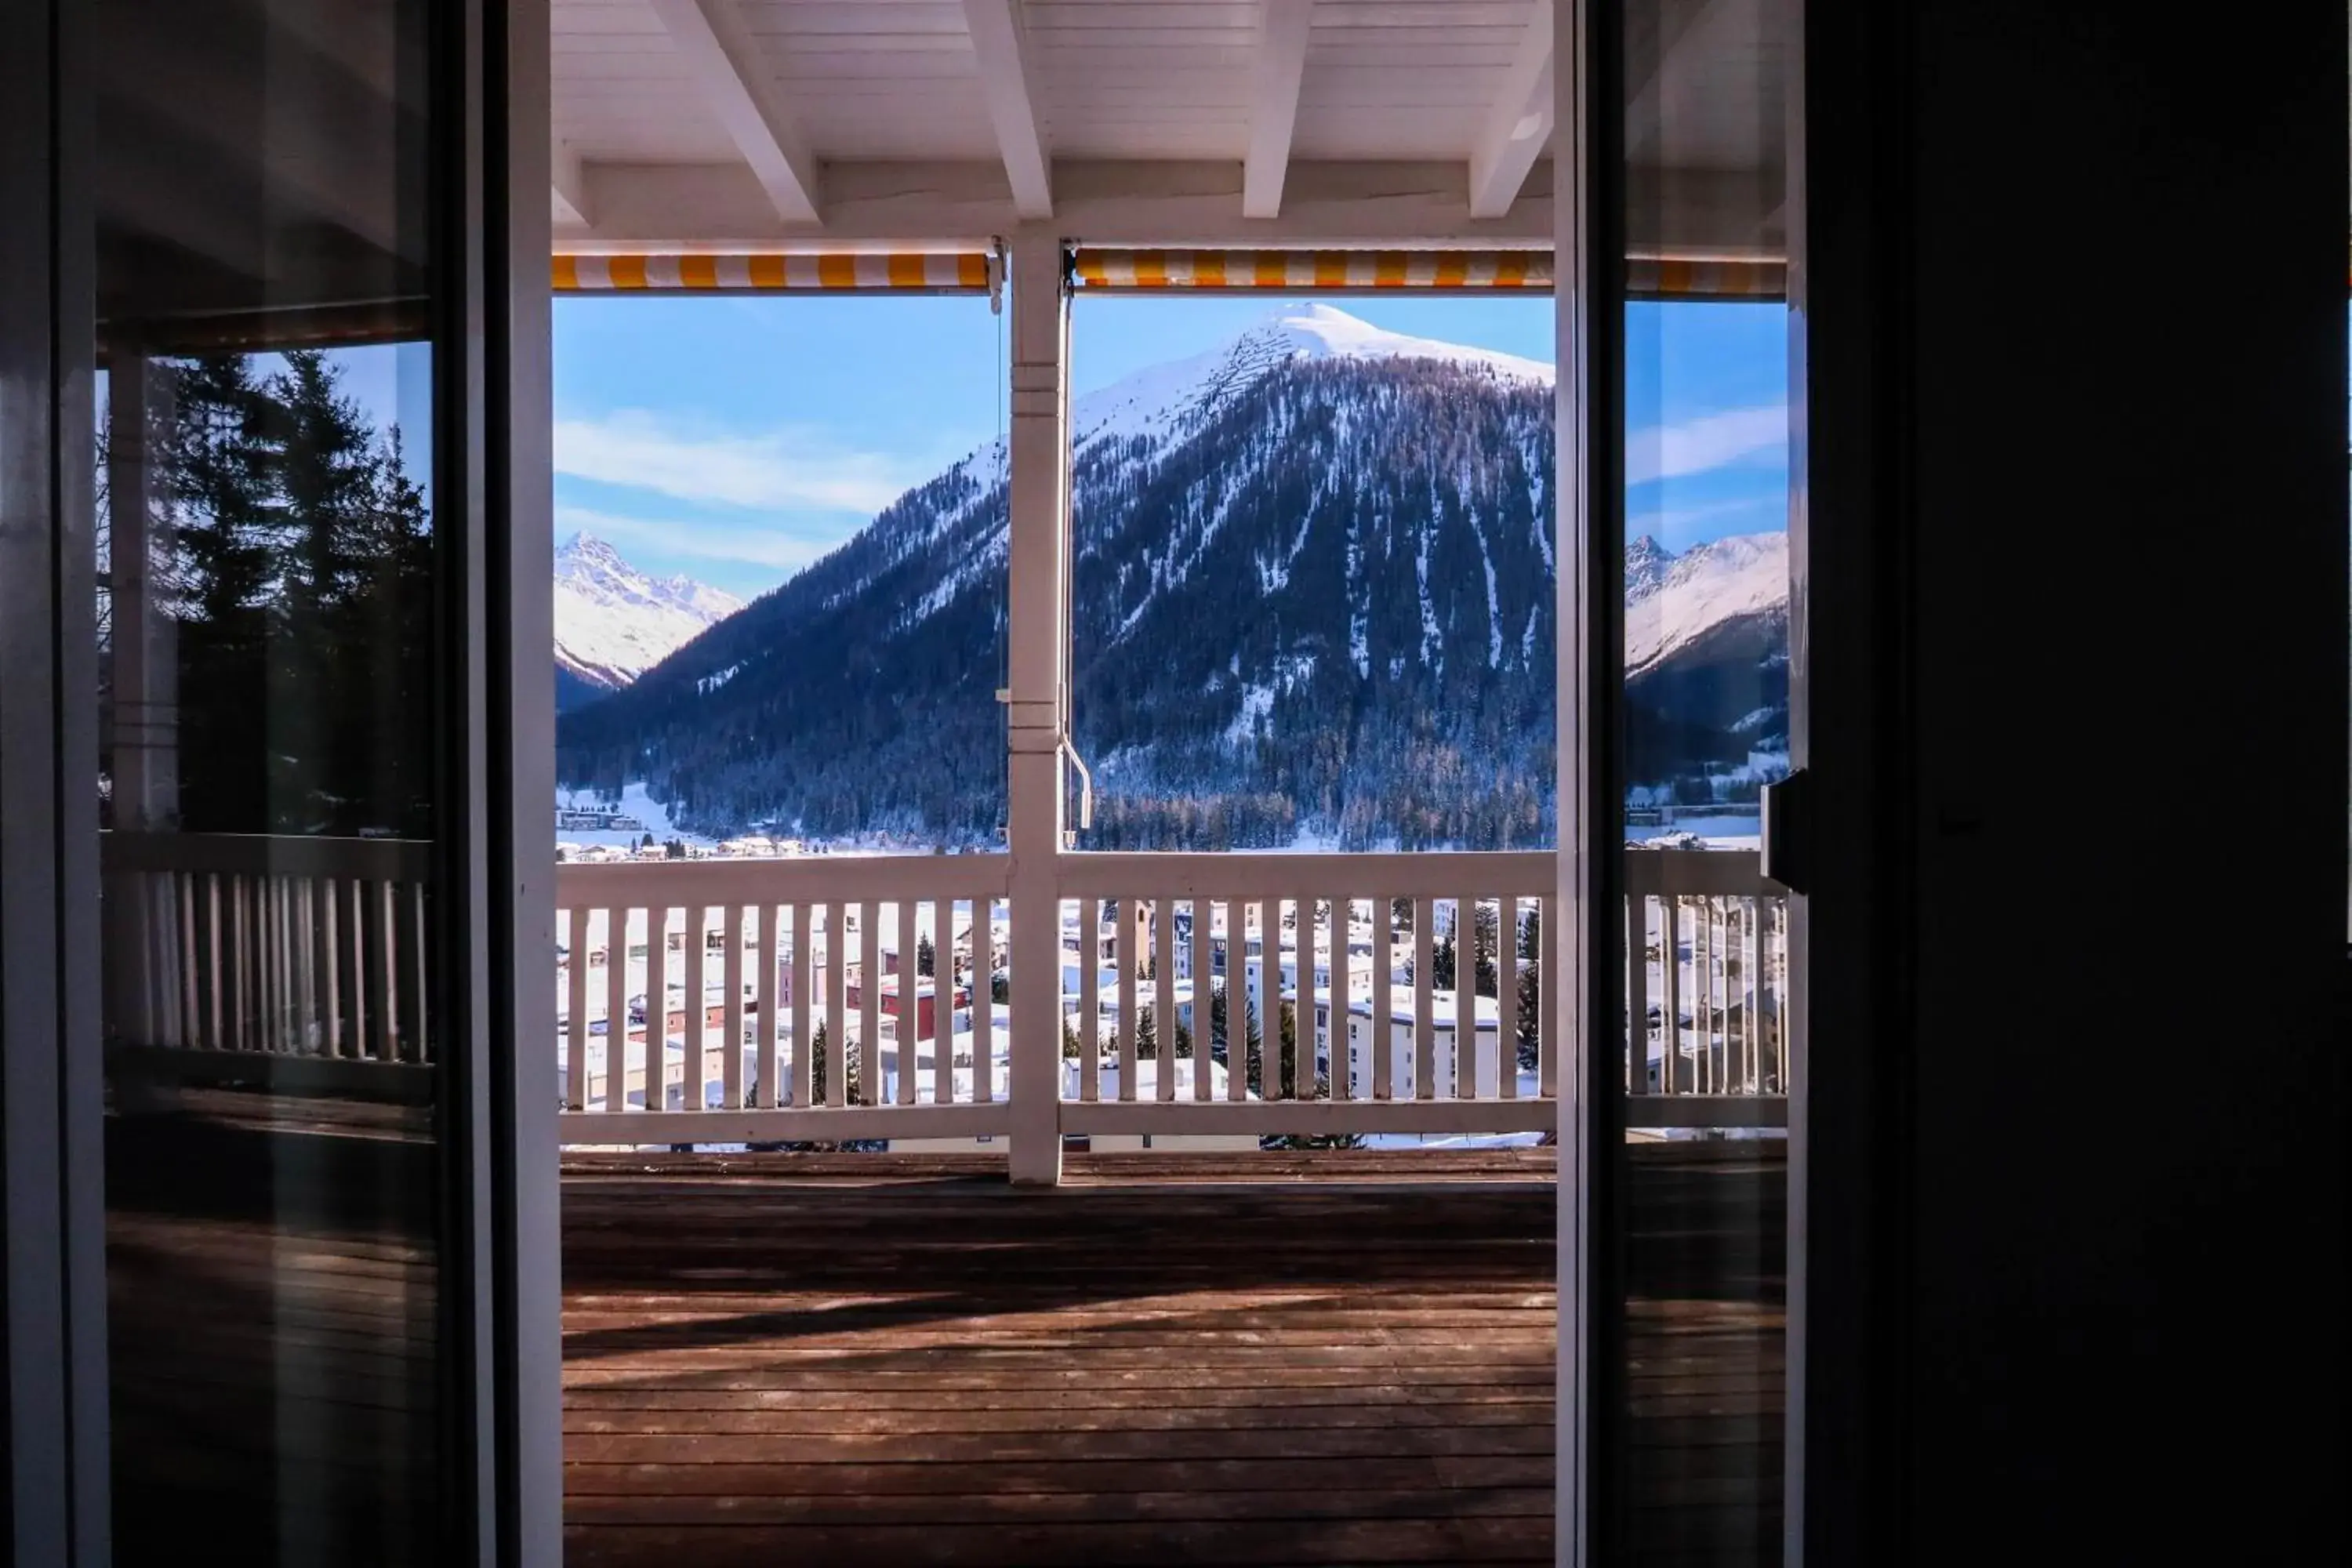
(613, 622)
(1674, 601)
(1163, 399)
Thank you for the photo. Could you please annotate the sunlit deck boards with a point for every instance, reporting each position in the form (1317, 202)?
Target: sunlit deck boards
(1311, 1358)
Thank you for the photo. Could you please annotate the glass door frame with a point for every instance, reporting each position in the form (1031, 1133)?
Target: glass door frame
(500, 1378)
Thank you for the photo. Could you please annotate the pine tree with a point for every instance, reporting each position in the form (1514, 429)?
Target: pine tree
(1147, 1037)
(925, 956)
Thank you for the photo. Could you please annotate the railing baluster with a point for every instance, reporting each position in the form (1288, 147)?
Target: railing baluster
(1424, 1025)
(835, 1011)
(1164, 966)
(1637, 992)
(1380, 1025)
(418, 956)
(1670, 949)
(1089, 1000)
(1548, 981)
(355, 925)
(1129, 962)
(942, 1001)
(984, 1000)
(657, 1053)
(617, 921)
(575, 1047)
(1466, 1048)
(212, 967)
(1269, 984)
(384, 957)
(1335, 1032)
(731, 1011)
(184, 905)
(802, 987)
(304, 950)
(869, 1005)
(694, 1065)
(910, 1006)
(1203, 992)
(1508, 963)
(329, 905)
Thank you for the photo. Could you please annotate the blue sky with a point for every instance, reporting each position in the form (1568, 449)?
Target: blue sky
(738, 439)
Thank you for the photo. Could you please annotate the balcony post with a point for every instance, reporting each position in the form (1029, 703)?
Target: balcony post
(1036, 633)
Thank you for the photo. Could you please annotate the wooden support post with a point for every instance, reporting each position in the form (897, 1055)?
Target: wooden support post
(1037, 699)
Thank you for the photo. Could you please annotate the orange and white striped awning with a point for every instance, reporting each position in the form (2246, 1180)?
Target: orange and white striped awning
(932, 272)
(1288, 270)
(1670, 278)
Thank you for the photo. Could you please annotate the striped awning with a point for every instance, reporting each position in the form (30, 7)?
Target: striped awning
(933, 272)
(1666, 277)
(1288, 270)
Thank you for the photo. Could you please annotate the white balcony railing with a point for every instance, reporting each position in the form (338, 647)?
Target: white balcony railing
(892, 968)
(751, 957)
(268, 946)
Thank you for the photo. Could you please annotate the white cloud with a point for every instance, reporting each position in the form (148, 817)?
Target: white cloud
(1711, 441)
(748, 545)
(781, 470)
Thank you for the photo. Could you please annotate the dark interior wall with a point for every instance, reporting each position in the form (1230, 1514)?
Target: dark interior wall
(2125, 394)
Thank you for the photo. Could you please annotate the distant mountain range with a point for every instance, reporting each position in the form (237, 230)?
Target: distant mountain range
(613, 622)
(1313, 600)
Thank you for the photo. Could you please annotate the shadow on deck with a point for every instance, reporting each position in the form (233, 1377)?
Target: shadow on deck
(1334, 1357)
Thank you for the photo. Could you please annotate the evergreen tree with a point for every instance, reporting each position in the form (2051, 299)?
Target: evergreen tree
(1531, 988)
(1147, 1036)
(925, 956)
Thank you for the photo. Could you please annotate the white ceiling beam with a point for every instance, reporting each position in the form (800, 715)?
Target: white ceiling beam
(914, 204)
(568, 188)
(1279, 62)
(1519, 123)
(1000, 45)
(735, 80)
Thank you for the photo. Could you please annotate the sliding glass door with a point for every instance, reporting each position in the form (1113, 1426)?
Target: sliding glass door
(1682, 190)
(255, 589)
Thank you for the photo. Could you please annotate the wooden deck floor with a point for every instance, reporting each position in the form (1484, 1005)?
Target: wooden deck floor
(1249, 1359)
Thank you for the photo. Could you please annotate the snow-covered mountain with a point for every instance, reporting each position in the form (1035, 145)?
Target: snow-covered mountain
(1674, 601)
(1313, 595)
(1168, 399)
(613, 622)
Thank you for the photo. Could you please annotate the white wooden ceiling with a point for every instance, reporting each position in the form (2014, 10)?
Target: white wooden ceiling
(724, 122)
